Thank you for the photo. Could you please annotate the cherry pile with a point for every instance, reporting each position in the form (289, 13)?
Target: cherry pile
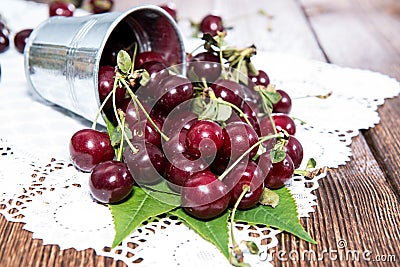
(208, 134)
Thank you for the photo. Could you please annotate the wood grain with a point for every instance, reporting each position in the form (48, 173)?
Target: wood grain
(360, 34)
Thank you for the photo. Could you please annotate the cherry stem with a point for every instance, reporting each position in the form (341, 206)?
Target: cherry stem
(134, 98)
(121, 145)
(120, 124)
(103, 104)
(246, 188)
(133, 59)
(260, 141)
(238, 254)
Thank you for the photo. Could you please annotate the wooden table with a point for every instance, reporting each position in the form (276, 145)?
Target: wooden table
(358, 202)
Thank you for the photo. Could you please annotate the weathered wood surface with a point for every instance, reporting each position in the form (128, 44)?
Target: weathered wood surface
(357, 203)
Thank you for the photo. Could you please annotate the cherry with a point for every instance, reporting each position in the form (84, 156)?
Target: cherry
(238, 137)
(170, 9)
(147, 165)
(61, 8)
(284, 105)
(264, 162)
(295, 150)
(205, 65)
(204, 196)
(260, 79)
(180, 168)
(148, 131)
(211, 24)
(229, 91)
(280, 173)
(20, 39)
(148, 56)
(283, 121)
(179, 120)
(173, 90)
(101, 6)
(157, 71)
(204, 139)
(4, 39)
(106, 84)
(176, 145)
(89, 147)
(245, 173)
(110, 182)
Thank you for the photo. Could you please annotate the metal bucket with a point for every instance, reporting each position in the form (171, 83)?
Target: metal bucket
(63, 55)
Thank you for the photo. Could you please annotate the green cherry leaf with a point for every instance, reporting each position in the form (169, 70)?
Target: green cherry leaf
(130, 214)
(311, 163)
(274, 97)
(284, 216)
(277, 155)
(224, 112)
(215, 230)
(269, 198)
(145, 77)
(124, 61)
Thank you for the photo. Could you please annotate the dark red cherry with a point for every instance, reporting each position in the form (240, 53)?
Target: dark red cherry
(175, 145)
(110, 182)
(295, 150)
(132, 115)
(89, 147)
(204, 196)
(264, 163)
(280, 173)
(148, 56)
(260, 79)
(101, 6)
(204, 139)
(170, 9)
(284, 105)
(229, 91)
(106, 84)
(147, 165)
(179, 120)
(283, 121)
(238, 138)
(147, 131)
(173, 90)
(205, 65)
(180, 168)
(157, 71)
(211, 24)
(245, 173)
(20, 39)
(61, 8)
(4, 39)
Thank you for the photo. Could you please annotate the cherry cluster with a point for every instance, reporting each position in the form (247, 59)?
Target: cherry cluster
(217, 136)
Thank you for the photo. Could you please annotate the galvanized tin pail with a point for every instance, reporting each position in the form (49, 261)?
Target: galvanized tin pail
(63, 55)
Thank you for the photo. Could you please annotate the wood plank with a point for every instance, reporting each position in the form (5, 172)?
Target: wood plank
(355, 204)
(360, 34)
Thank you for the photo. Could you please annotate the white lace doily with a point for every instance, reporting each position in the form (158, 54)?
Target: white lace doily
(39, 186)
